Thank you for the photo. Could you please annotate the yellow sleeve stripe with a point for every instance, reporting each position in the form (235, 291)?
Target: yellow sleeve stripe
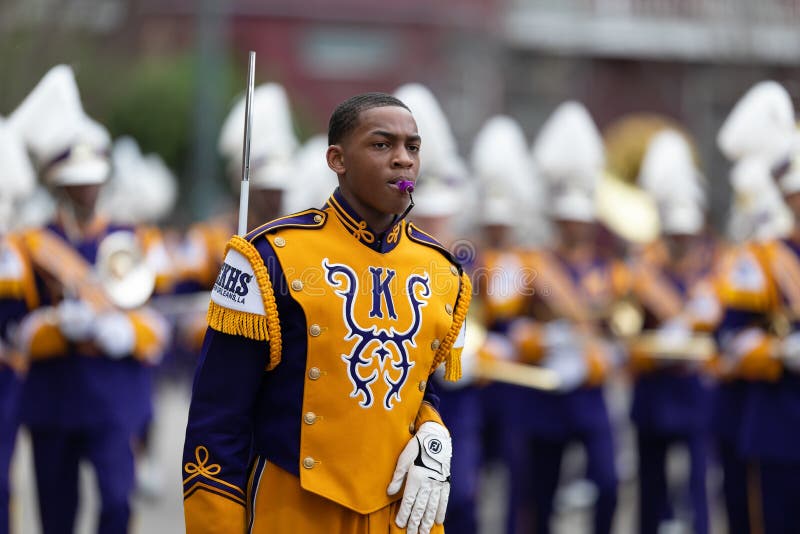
(151, 333)
(445, 352)
(427, 413)
(40, 336)
(212, 489)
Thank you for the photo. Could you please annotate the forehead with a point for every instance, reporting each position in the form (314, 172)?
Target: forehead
(391, 119)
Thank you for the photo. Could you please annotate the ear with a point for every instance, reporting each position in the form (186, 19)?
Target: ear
(335, 158)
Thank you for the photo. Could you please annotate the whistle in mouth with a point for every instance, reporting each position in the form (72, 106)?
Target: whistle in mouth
(406, 186)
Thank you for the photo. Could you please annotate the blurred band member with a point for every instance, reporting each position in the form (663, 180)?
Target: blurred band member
(755, 403)
(83, 397)
(17, 296)
(565, 333)
(672, 284)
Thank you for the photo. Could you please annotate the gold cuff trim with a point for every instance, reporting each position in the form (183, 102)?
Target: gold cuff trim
(206, 470)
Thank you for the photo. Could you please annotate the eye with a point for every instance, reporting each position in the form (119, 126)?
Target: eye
(380, 145)
(413, 148)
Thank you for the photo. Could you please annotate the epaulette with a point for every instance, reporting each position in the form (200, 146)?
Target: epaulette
(418, 236)
(310, 219)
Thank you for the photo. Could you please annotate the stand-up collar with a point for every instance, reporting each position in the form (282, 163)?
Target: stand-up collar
(358, 228)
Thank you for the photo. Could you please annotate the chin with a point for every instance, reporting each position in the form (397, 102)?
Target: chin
(399, 207)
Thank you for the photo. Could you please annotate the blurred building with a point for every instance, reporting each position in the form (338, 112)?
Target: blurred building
(687, 60)
(325, 51)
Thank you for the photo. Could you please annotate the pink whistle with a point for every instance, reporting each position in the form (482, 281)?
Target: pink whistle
(405, 186)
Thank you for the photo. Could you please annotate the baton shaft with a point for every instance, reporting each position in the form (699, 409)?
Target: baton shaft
(244, 195)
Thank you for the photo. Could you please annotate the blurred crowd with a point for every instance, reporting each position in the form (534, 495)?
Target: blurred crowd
(583, 282)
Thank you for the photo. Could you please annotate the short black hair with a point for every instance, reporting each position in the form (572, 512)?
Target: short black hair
(345, 117)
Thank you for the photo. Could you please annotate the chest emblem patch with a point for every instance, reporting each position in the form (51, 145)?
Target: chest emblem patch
(379, 355)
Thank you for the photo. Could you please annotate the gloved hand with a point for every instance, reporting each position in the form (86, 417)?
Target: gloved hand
(75, 319)
(113, 333)
(425, 466)
(570, 365)
(790, 351)
(671, 336)
(560, 334)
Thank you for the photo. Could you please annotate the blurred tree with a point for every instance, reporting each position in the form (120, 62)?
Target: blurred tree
(154, 104)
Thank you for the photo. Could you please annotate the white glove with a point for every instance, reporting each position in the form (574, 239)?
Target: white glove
(425, 466)
(560, 333)
(75, 319)
(569, 365)
(113, 333)
(790, 351)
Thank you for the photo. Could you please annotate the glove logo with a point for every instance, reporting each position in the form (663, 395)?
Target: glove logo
(388, 347)
(434, 446)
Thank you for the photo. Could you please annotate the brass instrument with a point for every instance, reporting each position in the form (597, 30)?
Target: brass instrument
(626, 322)
(518, 374)
(122, 270)
(508, 372)
(626, 210)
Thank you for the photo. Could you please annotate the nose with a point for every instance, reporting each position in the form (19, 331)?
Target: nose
(402, 158)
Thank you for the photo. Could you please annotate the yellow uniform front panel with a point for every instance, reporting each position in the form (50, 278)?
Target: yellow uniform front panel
(374, 324)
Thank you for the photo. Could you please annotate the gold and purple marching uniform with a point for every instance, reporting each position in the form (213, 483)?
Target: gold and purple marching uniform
(758, 412)
(672, 400)
(17, 296)
(545, 422)
(197, 259)
(78, 402)
(314, 373)
(504, 296)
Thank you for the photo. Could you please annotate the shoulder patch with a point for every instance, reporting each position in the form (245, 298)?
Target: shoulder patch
(236, 286)
(418, 236)
(243, 301)
(311, 219)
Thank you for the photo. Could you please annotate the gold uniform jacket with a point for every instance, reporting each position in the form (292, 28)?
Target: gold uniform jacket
(322, 338)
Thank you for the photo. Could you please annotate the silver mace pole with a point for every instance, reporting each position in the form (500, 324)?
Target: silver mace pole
(244, 196)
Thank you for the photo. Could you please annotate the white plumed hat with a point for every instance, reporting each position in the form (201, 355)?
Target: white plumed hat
(569, 153)
(272, 138)
(761, 124)
(503, 167)
(669, 175)
(141, 190)
(69, 148)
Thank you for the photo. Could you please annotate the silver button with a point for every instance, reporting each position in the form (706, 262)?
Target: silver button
(454, 270)
(310, 418)
(449, 309)
(308, 462)
(317, 218)
(411, 428)
(315, 330)
(297, 285)
(314, 373)
(435, 344)
(422, 385)
(280, 242)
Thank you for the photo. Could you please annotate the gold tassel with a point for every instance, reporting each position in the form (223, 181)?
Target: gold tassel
(272, 326)
(445, 353)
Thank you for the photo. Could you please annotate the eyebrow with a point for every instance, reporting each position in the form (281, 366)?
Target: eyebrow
(390, 135)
